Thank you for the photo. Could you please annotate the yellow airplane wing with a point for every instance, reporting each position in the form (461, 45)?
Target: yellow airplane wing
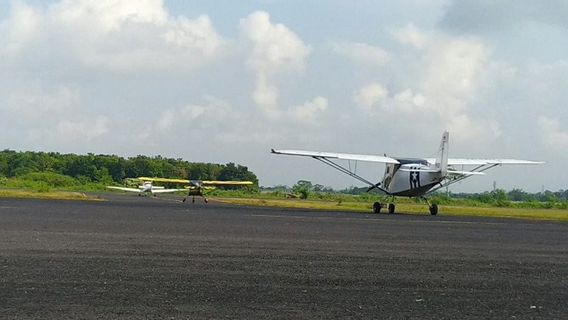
(227, 183)
(204, 182)
(166, 180)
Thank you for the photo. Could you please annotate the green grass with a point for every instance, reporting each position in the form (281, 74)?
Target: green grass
(405, 208)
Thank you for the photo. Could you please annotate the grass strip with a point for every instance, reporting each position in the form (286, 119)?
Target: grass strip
(51, 195)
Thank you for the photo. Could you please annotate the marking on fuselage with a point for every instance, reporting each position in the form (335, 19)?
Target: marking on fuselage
(414, 179)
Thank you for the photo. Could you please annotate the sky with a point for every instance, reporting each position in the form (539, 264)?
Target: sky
(226, 81)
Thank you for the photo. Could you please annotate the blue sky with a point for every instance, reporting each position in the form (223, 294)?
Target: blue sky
(225, 81)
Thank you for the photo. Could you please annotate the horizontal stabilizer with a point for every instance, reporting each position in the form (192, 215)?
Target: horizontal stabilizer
(479, 162)
(463, 173)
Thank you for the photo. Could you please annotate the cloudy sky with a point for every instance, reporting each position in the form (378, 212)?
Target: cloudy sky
(225, 81)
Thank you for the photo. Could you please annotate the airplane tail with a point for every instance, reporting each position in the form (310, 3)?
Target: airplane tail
(442, 158)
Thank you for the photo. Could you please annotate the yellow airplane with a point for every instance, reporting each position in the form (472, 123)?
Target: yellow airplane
(198, 187)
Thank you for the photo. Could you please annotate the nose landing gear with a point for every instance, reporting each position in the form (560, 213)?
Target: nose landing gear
(433, 209)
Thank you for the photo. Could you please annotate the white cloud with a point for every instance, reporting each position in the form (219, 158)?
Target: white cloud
(192, 112)
(109, 15)
(411, 35)
(111, 34)
(408, 101)
(370, 95)
(362, 53)
(41, 104)
(165, 121)
(74, 130)
(275, 50)
(443, 76)
(21, 27)
(309, 111)
(266, 96)
(552, 134)
(275, 47)
(211, 113)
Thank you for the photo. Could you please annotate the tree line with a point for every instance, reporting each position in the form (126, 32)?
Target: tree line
(112, 168)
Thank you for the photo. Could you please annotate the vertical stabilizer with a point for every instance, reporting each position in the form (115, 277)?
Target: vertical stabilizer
(442, 158)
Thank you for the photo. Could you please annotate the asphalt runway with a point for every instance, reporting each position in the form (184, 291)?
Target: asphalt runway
(140, 258)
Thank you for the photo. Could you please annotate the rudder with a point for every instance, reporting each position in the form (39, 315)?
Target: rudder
(442, 158)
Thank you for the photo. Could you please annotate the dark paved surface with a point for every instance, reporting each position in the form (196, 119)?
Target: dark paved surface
(144, 258)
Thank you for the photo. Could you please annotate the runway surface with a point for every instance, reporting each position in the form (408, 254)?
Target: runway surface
(139, 258)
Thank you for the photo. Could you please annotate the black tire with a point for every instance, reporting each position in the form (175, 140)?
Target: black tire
(377, 207)
(434, 209)
(391, 208)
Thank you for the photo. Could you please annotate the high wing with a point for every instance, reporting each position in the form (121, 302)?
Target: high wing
(166, 180)
(329, 159)
(333, 155)
(226, 183)
(479, 162)
(124, 189)
(199, 182)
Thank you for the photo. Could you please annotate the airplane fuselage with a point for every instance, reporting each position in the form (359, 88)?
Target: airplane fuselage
(410, 179)
(148, 187)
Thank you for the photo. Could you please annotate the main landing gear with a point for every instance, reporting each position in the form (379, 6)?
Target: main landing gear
(193, 199)
(377, 206)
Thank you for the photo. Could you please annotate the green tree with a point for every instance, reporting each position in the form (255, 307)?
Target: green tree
(303, 188)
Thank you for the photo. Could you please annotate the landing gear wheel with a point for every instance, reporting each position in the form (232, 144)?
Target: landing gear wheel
(391, 208)
(377, 207)
(434, 209)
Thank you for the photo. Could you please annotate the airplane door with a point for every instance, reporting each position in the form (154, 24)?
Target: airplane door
(389, 172)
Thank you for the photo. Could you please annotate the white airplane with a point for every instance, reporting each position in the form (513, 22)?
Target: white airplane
(146, 188)
(410, 177)
(198, 188)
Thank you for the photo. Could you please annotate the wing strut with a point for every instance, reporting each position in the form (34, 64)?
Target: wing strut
(349, 173)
